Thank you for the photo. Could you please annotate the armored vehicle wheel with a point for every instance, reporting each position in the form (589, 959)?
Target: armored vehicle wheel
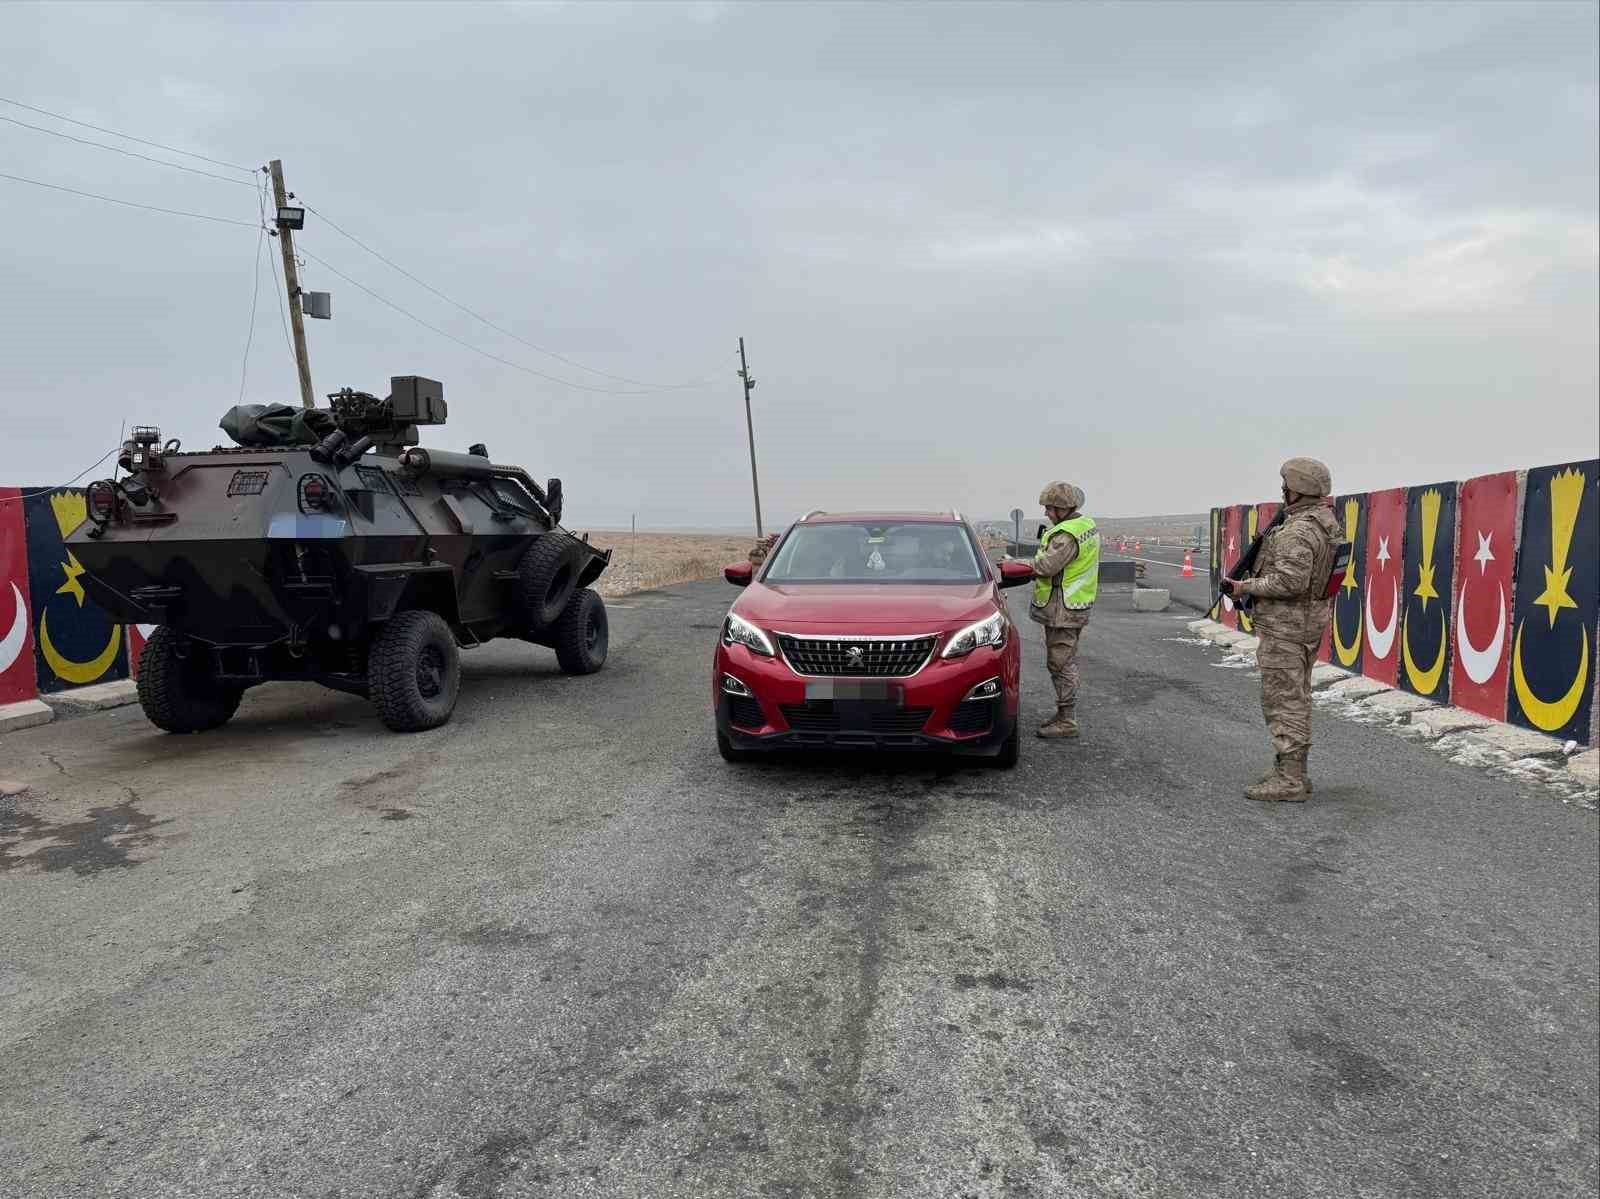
(414, 672)
(582, 635)
(546, 578)
(180, 694)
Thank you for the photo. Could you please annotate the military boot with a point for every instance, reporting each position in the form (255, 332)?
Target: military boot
(1062, 724)
(1286, 783)
(1273, 773)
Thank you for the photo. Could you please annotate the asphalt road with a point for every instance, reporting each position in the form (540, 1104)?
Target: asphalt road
(559, 948)
(1163, 567)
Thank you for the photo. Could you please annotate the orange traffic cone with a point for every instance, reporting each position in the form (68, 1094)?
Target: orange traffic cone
(1188, 565)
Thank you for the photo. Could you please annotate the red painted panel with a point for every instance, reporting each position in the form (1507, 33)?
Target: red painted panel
(1386, 530)
(1482, 603)
(1232, 547)
(16, 626)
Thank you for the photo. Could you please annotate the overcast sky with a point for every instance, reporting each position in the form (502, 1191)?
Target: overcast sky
(1150, 249)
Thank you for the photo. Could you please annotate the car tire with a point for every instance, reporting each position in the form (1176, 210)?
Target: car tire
(1011, 747)
(547, 577)
(180, 694)
(582, 635)
(728, 752)
(414, 672)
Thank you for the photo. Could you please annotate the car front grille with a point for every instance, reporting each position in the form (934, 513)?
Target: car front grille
(856, 659)
(821, 716)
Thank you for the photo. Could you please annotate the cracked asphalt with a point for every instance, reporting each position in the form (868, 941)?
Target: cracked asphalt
(559, 948)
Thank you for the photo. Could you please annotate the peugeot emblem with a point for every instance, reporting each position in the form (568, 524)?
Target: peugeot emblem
(854, 656)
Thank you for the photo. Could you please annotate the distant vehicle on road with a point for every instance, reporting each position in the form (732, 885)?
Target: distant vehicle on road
(882, 631)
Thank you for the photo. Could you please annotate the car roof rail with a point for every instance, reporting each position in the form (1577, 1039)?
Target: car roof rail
(813, 512)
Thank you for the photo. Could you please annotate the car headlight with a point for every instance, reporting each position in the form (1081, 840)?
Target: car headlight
(739, 631)
(986, 632)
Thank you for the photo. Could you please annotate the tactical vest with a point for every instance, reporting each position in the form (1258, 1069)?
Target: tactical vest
(1080, 581)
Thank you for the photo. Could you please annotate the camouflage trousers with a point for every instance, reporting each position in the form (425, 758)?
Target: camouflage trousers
(1286, 692)
(1061, 658)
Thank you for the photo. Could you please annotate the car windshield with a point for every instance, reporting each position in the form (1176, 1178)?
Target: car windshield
(840, 552)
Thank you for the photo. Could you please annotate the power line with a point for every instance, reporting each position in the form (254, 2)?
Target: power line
(83, 141)
(28, 495)
(199, 216)
(497, 328)
(127, 136)
(255, 299)
(459, 341)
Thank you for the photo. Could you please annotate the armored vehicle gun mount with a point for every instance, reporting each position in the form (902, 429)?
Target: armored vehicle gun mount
(328, 546)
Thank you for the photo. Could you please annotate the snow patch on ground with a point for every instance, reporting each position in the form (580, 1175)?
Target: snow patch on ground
(1552, 775)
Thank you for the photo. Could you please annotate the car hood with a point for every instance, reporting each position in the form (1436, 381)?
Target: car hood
(905, 607)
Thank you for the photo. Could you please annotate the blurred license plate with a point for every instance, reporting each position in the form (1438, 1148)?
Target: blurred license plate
(883, 693)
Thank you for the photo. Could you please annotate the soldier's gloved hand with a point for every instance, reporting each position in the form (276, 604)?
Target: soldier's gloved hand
(1229, 586)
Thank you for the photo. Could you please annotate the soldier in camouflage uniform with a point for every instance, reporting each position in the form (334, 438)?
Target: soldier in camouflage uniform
(1291, 613)
(1067, 568)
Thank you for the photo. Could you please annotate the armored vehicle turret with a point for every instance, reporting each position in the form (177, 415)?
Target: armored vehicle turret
(328, 546)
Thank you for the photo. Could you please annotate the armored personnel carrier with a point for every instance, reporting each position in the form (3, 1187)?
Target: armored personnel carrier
(328, 546)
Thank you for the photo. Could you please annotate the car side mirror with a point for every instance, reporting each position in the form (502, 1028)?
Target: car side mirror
(1015, 572)
(552, 497)
(739, 574)
(1038, 534)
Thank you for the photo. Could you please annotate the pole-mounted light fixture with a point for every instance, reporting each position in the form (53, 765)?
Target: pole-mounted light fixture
(291, 218)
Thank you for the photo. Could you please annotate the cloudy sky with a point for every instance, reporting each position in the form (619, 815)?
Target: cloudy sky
(1149, 248)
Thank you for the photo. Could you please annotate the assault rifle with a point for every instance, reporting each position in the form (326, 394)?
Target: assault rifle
(1246, 565)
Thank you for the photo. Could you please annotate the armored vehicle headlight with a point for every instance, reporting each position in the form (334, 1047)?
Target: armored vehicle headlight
(316, 494)
(100, 498)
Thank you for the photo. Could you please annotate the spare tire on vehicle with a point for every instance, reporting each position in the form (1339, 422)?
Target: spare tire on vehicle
(547, 577)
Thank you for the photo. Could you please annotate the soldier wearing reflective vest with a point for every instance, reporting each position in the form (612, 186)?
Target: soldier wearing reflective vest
(1067, 574)
(1292, 608)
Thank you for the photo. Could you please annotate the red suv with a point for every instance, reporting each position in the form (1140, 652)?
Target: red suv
(871, 631)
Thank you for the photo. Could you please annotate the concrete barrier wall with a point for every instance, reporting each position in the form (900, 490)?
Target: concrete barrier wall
(1484, 593)
(52, 636)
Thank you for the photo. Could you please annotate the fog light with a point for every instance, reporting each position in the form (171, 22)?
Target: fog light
(733, 686)
(988, 689)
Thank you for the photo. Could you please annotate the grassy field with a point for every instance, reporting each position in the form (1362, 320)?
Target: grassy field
(659, 559)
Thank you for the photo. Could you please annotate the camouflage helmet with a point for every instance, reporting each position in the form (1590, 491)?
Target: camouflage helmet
(1307, 476)
(1061, 495)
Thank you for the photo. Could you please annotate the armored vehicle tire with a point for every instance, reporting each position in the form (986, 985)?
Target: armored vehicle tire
(546, 578)
(180, 694)
(414, 672)
(583, 635)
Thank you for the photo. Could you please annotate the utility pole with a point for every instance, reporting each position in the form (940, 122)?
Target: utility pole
(291, 280)
(750, 429)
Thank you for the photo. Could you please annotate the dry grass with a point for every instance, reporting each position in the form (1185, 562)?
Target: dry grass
(662, 559)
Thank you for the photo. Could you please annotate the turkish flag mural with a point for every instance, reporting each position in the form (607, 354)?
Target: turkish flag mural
(1344, 642)
(1558, 587)
(1386, 530)
(1430, 559)
(1231, 549)
(17, 680)
(1481, 628)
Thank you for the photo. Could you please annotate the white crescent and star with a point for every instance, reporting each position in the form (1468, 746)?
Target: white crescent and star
(1480, 664)
(1381, 640)
(1485, 555)
(11, 643)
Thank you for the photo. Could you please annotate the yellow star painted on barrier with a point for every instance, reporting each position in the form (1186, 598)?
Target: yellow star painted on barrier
(1352, 513)
(1430, 531)
(72, 568)
(1566, 497)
